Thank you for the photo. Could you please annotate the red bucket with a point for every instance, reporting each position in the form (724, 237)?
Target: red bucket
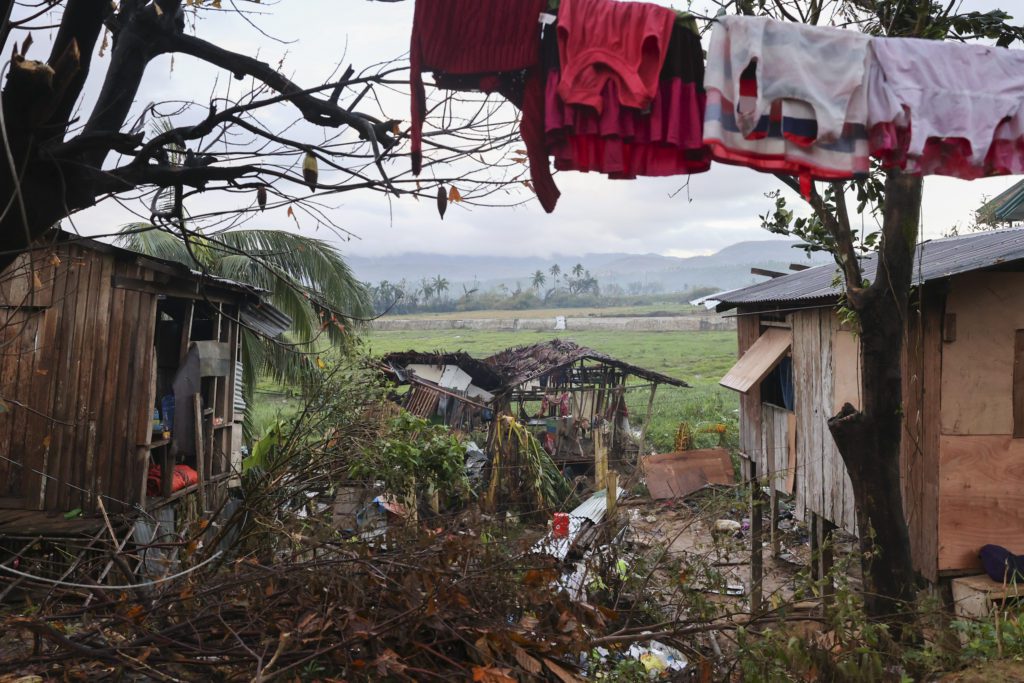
(560, 525)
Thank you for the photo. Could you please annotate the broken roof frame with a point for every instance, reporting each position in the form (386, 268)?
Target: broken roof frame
(523, 364)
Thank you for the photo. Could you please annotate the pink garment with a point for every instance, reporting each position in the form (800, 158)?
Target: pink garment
(623, 142)
(602, 41)
(946, 108)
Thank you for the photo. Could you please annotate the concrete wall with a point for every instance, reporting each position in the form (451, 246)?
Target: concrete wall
(638, 323)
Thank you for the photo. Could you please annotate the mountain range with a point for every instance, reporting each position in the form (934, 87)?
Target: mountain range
(725, 269)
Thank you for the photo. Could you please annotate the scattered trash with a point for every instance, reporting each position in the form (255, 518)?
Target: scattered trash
(727, 526)
(560, 525)
(657, 658)
(476, 463)
(650, 519)
(581, 521)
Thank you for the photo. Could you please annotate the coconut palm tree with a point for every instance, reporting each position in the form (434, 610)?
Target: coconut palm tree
(441, 286)
(555, 271)
(538, 279)
(577, 270)
(306, 278)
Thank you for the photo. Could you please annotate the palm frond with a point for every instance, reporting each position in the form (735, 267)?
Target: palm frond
(147, 239)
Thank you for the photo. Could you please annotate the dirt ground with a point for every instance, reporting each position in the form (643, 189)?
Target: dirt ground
(687, 529)
(1003, 671)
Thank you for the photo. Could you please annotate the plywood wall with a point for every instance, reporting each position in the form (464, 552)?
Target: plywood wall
(977, 367)
(981, 489)
(981, 465)
(76, 375)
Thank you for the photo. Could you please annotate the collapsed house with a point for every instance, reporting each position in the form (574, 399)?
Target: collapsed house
(963, 392)
(115, 364)
(571, 396)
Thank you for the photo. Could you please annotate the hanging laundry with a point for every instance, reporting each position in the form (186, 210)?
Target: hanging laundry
(605, 41)
(787, 98)
(946, 108)
(491, 46)
(626, 142)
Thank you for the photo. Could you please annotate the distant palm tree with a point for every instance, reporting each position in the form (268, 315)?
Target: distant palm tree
(577, 270)
(440, 286)
(306, 278)
(428, 289)
(555, 271)
(539, 279)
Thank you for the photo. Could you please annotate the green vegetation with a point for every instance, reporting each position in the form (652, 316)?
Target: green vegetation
(699, 358)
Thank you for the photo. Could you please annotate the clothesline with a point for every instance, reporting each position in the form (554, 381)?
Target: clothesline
(623, 89)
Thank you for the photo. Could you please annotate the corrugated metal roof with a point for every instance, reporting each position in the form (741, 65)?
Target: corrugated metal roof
(935, 259)
(1007, 206)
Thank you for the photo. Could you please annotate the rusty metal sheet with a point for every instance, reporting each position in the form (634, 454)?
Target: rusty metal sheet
(673, 475)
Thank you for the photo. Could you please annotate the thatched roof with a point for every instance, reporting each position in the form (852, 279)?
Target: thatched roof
(525, 363)
(483, 375)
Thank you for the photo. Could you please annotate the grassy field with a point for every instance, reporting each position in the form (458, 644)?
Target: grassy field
(666, 308)
(699, 358)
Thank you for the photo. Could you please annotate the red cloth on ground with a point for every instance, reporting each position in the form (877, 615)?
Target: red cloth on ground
(602, 41)
(182, 477)
(492, 42)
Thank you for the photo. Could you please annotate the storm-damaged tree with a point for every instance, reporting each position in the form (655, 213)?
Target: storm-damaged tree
(868, 436)
(73, 132)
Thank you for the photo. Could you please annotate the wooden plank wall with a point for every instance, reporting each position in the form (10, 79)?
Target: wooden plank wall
(774, 460)
(748, 330)
(919, 447)
(81, 367)
(822, 483)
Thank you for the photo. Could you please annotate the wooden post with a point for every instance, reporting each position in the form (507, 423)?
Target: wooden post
(814, 532)
(600, 460)
(197, 412)
(166, 471)
(773, 531)
(611, 494)
(825, 529)
(647, 418)
(756, 541)
(186, 332)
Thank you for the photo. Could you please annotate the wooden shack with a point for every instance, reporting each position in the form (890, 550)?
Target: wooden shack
(94, 339)
(963, 391)
(453, 386)
(562, 390)
(570, 392)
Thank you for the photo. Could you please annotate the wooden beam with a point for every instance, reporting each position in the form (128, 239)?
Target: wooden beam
(949, 328)
(1018, 385)
(197, 415)
(178, 288)
(766, 273)
(798, 266)
(756, 540)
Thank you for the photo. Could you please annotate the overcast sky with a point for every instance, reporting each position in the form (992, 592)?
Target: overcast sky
(594, 214)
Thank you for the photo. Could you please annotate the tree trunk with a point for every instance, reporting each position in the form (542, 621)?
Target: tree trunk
(869, 439)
